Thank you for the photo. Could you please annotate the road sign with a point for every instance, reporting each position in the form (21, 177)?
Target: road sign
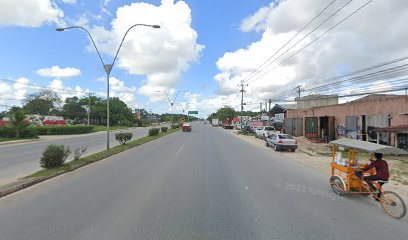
(182, 120)
(192, 112)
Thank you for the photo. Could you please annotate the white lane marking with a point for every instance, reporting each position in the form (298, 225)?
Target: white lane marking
(179, 150)
(246, 188)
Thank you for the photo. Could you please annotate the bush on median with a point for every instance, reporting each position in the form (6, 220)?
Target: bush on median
(64, 130)
(54, 156)
(163, 129)
(174, 126)
(122, 138)
(154, 131)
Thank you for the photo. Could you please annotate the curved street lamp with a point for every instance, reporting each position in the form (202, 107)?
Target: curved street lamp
(171, 102)
(107, 67)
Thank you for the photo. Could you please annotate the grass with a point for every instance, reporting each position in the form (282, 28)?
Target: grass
(75, 164)
(103, 128)
(246, 133)
(4, 139)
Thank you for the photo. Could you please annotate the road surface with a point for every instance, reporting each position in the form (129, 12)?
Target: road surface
(21, 159)
(206, 184)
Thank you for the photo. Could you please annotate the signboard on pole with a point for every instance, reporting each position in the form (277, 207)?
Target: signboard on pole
(192, 112)
(279, 117)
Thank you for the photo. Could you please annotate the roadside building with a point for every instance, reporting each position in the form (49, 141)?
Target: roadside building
(368, 119)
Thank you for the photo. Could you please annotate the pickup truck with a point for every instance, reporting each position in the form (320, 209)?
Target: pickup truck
(264, 132)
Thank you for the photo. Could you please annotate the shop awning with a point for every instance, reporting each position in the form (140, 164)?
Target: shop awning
(367, 146)
(393, 129)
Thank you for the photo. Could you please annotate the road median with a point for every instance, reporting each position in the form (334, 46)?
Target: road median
(46, 174)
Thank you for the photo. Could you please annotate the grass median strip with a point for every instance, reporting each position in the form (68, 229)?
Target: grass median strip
(72, 165)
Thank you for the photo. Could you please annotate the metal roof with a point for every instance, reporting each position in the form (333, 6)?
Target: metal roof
(367, 146)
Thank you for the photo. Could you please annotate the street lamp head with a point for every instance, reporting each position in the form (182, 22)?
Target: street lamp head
(60, 29)
(155, 26)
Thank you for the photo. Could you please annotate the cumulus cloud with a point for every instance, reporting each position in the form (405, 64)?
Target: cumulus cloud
(64, 91)
(14, 91)
(57, 72)
(28, 13)
(119, 89)
(160, 54)
(362, 40)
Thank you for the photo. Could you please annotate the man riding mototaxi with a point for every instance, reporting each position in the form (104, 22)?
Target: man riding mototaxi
(382, 172)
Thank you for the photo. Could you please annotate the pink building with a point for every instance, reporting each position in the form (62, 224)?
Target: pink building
(356, 119)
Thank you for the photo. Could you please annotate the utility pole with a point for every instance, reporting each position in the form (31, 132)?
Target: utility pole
(269, 112)
(242, 100)
(89, 106)
(299, 89)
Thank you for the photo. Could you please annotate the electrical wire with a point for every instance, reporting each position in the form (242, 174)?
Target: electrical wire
(258, 69)
(314, 40)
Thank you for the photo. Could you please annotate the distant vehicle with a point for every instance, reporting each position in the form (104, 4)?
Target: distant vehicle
(264, 132)
(214, 122)
(246, 128)
(186, 127)
(281, 141)
(227, 124)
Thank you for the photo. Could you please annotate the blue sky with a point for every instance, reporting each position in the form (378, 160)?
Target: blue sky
(28, 49)
(204, 47)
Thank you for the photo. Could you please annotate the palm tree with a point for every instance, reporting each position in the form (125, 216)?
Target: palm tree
(18, 121)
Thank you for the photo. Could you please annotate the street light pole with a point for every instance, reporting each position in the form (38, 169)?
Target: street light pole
(107, 67)
(171, 102)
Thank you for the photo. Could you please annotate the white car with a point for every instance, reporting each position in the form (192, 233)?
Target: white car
(264, 132)
(282, 141)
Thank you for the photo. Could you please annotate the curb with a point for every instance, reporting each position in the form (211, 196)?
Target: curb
(26, 183)
(19, 141)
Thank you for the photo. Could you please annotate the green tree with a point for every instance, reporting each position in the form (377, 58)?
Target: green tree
(44, 102)
(225, 112)
(18, 121)
(72, 109)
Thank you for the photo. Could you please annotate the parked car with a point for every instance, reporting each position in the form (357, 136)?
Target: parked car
(264, 132)
(281, 141)
(186, 127)
(246, 128)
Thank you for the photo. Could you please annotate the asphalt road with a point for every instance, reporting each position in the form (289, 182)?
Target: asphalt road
(21, 159)
(206, 184)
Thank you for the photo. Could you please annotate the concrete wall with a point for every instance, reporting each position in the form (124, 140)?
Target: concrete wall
(371, 105)
(316, 101)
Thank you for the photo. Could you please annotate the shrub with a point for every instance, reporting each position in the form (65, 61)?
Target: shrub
(127, 123)
(122, 138)
(54, 156)
(7, 132)
(278, 126)
(30, 132)
(78, 152)
(42, 130)
(163, 129)
(64, 130)
(154, 131)
(174, 126)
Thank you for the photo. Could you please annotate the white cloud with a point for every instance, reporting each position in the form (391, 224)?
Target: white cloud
(64, 91)
(362, 40)
(57, 72)
(28, 13)
(69, 1)
(119, 89)
(160, 54)
(11, 93)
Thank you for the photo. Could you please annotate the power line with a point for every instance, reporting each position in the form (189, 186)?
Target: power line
(43, 87)
(297, 34)
(312, 31)
(314, 40)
